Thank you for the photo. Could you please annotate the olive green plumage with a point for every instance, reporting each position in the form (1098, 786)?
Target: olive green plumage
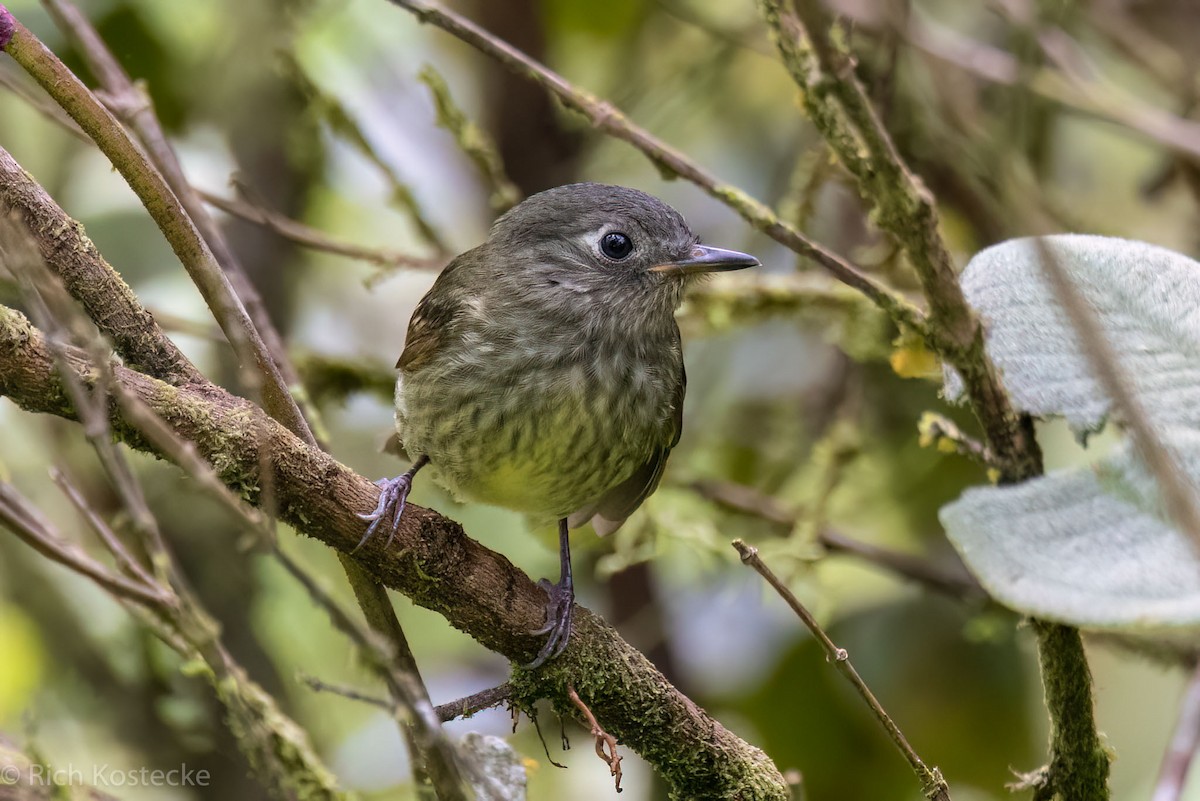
(542, 374)
(543, 370)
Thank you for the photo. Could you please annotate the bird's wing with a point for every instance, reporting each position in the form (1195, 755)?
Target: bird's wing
(432, 321)
(613, 507)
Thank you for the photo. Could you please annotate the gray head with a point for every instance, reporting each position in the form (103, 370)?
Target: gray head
(611, 242)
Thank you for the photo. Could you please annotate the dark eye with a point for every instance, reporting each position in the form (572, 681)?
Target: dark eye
(616, 245)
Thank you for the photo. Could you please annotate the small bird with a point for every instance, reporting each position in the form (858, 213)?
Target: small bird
(543, 371)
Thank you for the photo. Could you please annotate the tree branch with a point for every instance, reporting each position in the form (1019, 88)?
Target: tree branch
(184, 220)
(162, 204)
(90, 279)
(432, 562)
(932, 783)
(610, 120)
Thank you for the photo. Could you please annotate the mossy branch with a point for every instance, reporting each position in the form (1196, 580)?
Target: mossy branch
(670, 162)
(815, 54)
(431, 561)
(176, 208)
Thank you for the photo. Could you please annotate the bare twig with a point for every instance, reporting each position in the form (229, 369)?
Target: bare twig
(1181, 752)
(954, 583)
(476, 702)
(111, 541)
(23, 519)
(606, 744)
(941, 432)
(932, 783)
(309, 237)
(608, 119)
(321, 686)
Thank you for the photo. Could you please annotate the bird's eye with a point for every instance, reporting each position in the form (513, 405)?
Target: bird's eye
(616, 245)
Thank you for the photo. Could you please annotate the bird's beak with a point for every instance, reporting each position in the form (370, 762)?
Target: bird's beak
(705, 259)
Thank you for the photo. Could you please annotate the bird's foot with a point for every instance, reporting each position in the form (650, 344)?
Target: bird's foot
(558, 621)
(392, 499)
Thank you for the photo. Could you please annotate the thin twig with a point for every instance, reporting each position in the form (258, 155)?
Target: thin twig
(317, 685)
(111, 541)
(1181, 752)
(957, 584)
(163, 206)
(606, 744)
(932, 783)
(311, 238)
(607, 118)
(476, 702)
(24, 520)
(940, 432)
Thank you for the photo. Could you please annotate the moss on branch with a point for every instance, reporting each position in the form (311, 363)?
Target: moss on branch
(432, 562)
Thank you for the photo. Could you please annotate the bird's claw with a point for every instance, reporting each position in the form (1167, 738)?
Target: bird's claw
(394, 496)
(558, 622)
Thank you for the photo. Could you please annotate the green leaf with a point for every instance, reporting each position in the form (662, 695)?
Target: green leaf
(1091, 547)
(1147, 299)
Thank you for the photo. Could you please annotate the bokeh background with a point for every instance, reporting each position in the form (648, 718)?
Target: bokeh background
(799, 392)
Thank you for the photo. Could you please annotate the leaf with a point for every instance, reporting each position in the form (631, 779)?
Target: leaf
(1147, 299)
(1089, 547)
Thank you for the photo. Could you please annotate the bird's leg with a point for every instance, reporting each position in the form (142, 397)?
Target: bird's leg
(562, 599)
(394, 496)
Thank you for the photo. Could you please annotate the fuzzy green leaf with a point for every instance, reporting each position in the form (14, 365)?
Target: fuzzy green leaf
(1091, 547)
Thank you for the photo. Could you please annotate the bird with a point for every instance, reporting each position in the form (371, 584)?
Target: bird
(543, 370)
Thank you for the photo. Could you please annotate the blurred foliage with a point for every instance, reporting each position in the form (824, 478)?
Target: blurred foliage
(796, 384)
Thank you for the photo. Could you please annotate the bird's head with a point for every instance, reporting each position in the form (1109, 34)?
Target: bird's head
(610, 242)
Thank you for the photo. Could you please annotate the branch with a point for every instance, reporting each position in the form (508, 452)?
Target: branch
(747, 500)
(90, 279)
(150, 187)
(837, 104)
(1079, 762)
(477, 702)
(432, 562)
(610, 120)
(186, 223)
(311, 238)
(932, 783)
(277, 748)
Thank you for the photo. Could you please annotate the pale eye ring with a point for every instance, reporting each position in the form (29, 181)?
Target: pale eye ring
(616, 245)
